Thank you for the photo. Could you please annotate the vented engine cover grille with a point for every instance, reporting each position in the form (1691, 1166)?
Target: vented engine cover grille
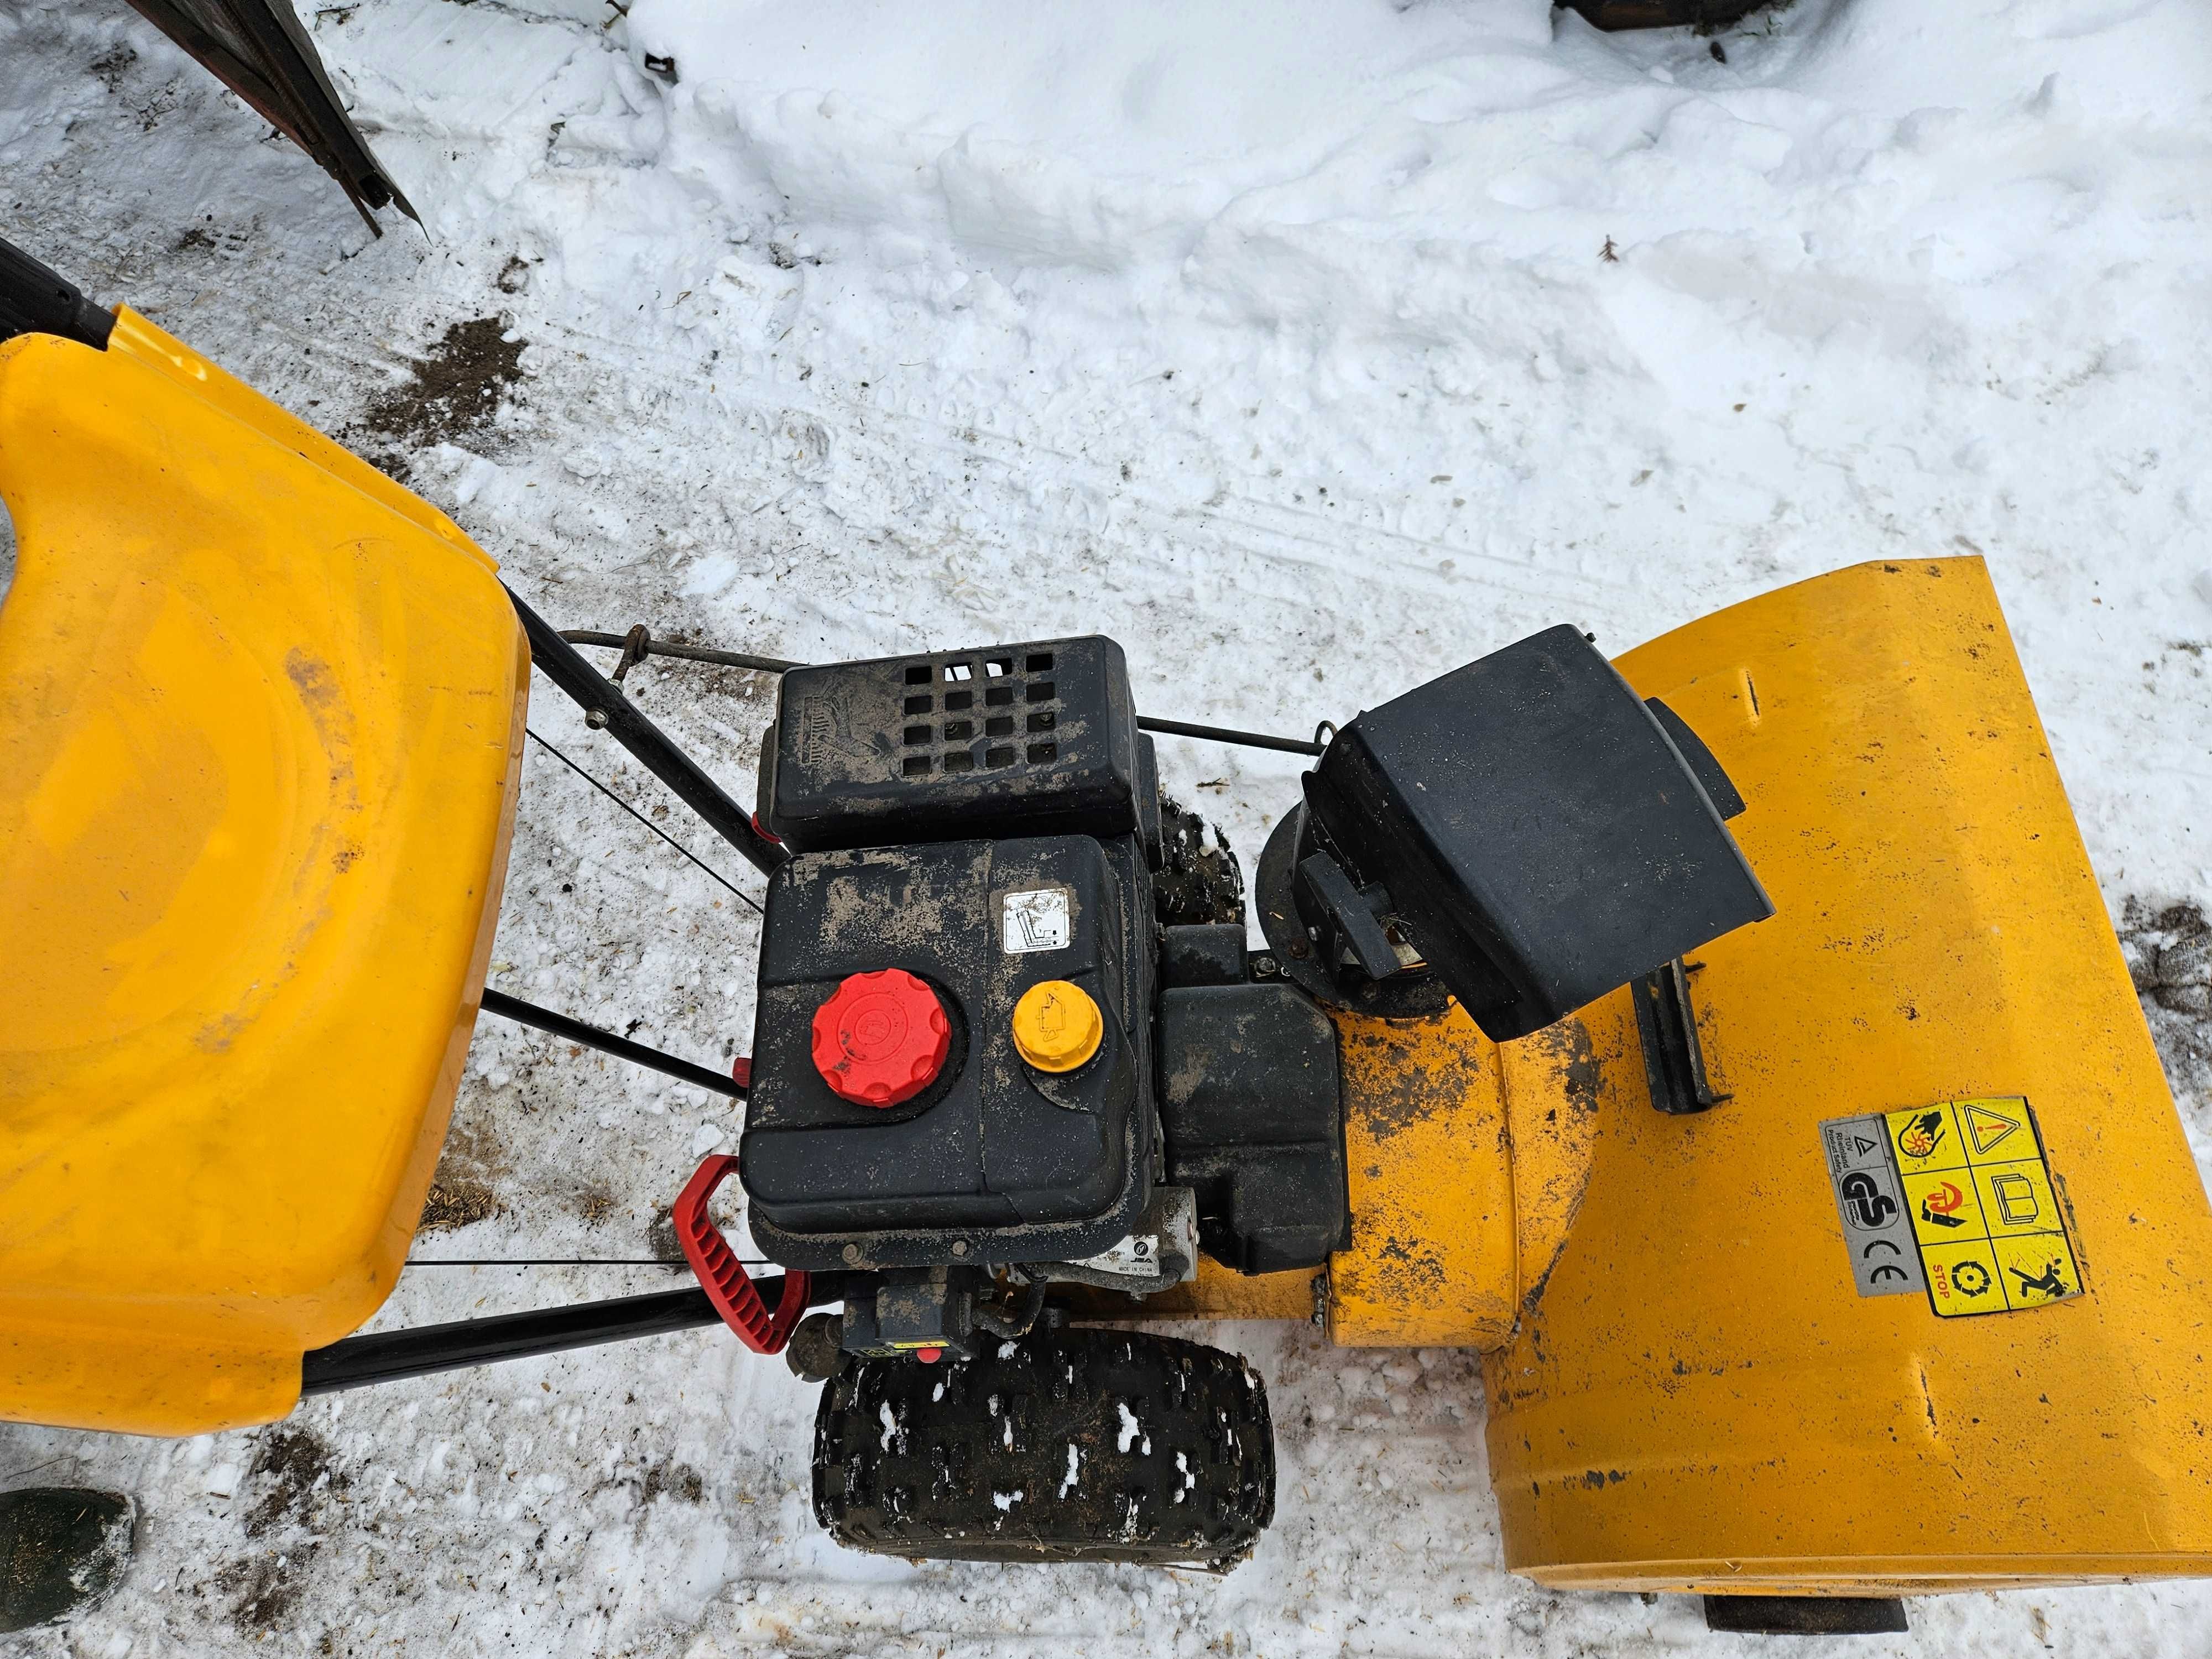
(1020, 739)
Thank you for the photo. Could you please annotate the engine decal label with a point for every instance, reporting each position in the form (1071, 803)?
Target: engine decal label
(1962, 1186)
(1034, 920)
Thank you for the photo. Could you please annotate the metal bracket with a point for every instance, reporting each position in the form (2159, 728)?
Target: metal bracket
(1806, 1615)
(1674, 1056)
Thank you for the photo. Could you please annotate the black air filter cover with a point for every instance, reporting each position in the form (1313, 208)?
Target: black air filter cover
(1031, 739)
(1542, 837)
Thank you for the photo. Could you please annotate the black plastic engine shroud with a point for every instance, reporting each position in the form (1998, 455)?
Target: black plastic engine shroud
(1016, 1164)
(1524, 832)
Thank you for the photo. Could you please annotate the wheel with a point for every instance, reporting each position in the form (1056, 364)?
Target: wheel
(62, 1548)
(1069, 1445)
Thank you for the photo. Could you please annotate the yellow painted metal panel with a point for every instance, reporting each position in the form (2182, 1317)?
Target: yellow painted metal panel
(1561, 1084)
(1432, 1260)
(261, 729)
(1700, 1398)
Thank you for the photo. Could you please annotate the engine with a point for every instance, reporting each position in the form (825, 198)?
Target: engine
(991, 1056)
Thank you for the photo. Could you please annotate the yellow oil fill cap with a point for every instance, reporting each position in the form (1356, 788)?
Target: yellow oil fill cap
(1057, 1026)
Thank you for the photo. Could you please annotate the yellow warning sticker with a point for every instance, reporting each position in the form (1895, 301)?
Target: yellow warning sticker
(1962, 1277)
(1978, 1195)
(1926, 1138)
(1945, 1207)
(2017, 1197)
(2035, 1268)
(1987, 1128)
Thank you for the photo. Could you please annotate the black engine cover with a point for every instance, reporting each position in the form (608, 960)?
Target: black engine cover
(1036, 739)
(1534, 822)
(1011, 1163)
(1251, 1107)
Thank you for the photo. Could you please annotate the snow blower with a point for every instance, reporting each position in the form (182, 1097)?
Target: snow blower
(1727, 1041)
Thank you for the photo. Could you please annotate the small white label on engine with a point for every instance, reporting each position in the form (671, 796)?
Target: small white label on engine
(1139, 1253)
(1036, 921)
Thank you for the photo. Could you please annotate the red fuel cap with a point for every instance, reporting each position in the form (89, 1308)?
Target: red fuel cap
(881, 1038)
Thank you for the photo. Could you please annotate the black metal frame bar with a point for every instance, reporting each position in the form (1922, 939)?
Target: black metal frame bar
(607, 1042)
(649, 646)
(390, 1356)
(605, 706)
(35, 299)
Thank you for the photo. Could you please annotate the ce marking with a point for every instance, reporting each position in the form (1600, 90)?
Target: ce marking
(1875, 1273)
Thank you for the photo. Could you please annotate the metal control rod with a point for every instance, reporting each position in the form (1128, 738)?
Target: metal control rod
(607, 1042)
(649, 646)
(388, 1355)
(1223, 734)
(605, 707)
(638, 643)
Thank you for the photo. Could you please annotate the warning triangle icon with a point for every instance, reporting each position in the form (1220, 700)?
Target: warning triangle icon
(1986, 1128)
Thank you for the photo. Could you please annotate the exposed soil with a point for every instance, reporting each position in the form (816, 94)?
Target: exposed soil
(465, 1190)
(2169, 952)
(110, 67)
(294, 1464)
(453, 394)
(593, 1205)
(293, 1493)
(265, 1589)
(459, 1203)
(674, 1479)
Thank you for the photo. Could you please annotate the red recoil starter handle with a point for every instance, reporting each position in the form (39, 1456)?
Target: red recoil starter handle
(722, 1276)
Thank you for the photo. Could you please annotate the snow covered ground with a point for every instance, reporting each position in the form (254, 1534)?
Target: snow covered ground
(1309, 348)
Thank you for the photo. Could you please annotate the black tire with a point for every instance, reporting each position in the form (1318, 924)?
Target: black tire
(1069, 1445)
(62, 1548)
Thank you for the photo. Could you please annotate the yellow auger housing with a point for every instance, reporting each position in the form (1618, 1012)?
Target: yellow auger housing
(1920, 1303)
(1860, 1251)
(1716, 1387)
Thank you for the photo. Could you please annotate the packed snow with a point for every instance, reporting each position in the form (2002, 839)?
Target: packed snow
(1309, 348)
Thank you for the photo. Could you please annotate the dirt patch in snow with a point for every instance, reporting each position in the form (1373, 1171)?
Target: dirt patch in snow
(660, 1240)
(296, 1494)
(265, 1591)
(464, 1189)
(458, 1203)
(453, 394)
(293, 1466)
(2169, 952)
(593, 1205)
(674, 1479)
(111, 66)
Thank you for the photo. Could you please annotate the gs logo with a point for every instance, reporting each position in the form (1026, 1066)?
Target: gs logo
(1864, 1201)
